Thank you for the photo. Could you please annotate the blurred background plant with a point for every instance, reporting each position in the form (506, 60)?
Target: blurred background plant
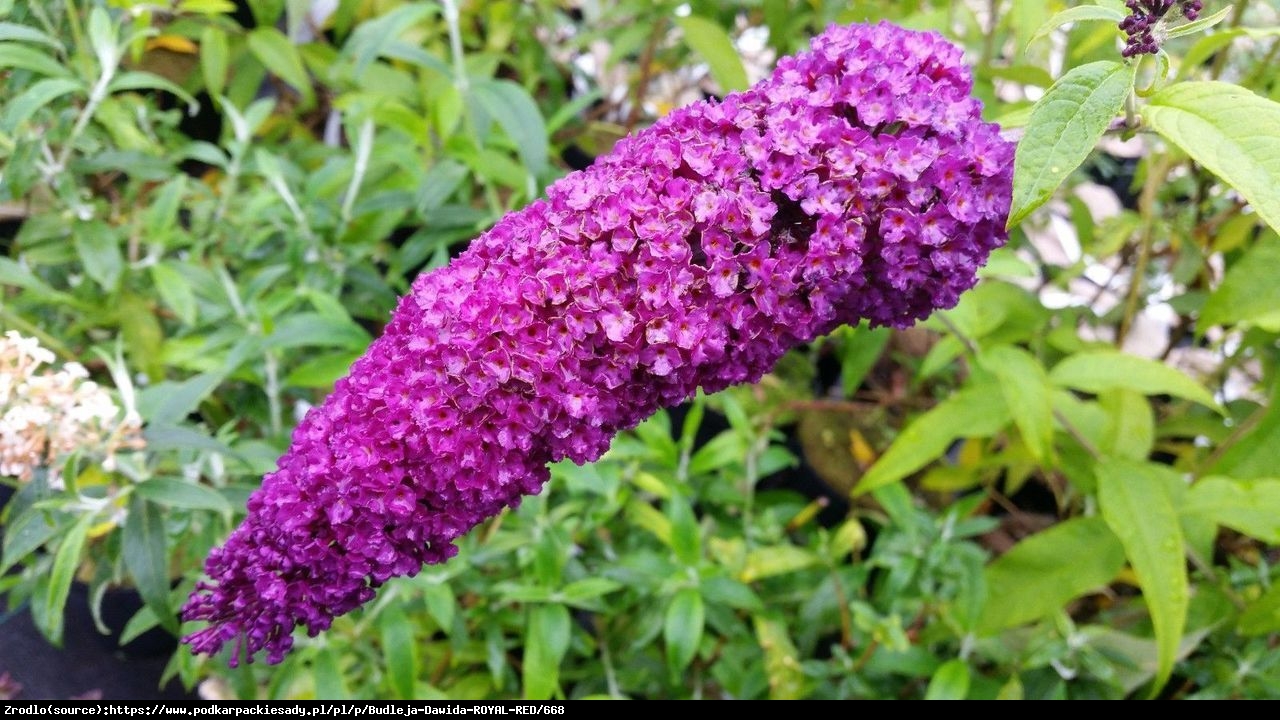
(1064, 487)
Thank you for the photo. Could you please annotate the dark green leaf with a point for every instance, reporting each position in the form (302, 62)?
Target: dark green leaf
(147, 558)
(18, 109)
(65, 563)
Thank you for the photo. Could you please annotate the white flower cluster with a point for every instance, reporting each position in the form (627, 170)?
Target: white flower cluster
(46, 415)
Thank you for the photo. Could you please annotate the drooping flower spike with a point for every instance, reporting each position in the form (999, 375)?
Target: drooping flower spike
(857, 182)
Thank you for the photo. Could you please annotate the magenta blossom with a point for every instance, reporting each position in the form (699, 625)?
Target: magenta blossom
(858, 182)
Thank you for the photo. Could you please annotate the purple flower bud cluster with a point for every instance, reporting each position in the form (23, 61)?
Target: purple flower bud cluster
(858, 182)
(1141, 25)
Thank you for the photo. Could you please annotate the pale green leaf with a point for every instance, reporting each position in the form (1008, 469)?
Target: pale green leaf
(21, 57)
(281, 57)
(1199, 24)
(1230, 131)
(1136, 502)
(787, 679)
(1046, 570)
(22, 33)
(1080, 13)
(1064, 127)
(1098, 371)
(214, 60)
(19, 109)
(1130, 429)
(776, 560)
(715, 46)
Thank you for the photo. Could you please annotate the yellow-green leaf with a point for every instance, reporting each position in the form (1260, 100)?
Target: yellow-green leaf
(715, 46)
(1229, 130)
(1098, 371)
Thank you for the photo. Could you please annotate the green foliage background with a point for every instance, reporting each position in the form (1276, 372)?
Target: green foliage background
(1021, 499)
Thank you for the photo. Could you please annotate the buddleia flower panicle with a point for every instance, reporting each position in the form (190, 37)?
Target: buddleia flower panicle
(1143, 25)
(857, 182)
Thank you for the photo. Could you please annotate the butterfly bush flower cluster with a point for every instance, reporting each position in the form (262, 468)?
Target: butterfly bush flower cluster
(857, 182)
(1141, 26)
(46, 414)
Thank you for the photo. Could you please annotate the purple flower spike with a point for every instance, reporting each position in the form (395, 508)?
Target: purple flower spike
(858, 182)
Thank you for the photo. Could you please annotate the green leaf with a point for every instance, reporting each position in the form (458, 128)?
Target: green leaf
(1228, 130)
(1251, 507)
(1136, 503)
(682, 629)
(973, 412)
(27, 103)
(168, 402)
(1080, 13)
(175, 291)
(949, 682)
(103, 38)
(1097, 371)
(516, 112)
(323, 371)
(140, 80)
(399, 650)
(776, 560)
(546, 641)
(370, 38)
(1131, 425)
(330, 683)
(21, 57)
(781, 659)
(588, 589)
(860, 348)
(147, 559)
(99, 250)
(316, 330)
(1064, 127)
(1025, 386)
(214, 60)
(715, 46)
(65, 563)
(28, 532)
(1249, 293)
(182, 494)
(22, 33)
(281, 57)
(686, 540)
(1262, 616)
(1043, 572)
(1199, 24)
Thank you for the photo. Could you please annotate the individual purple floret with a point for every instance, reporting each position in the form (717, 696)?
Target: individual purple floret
(1141, 26)
(858, 182)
